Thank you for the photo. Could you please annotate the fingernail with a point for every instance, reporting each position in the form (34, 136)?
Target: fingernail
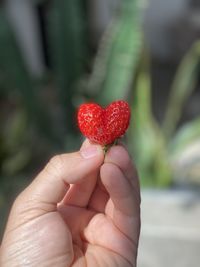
(89, 152)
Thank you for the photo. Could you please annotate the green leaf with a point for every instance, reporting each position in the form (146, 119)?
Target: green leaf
(67, 51)
(13, 67)
(145, 137)
(182, 87)
(118, 55)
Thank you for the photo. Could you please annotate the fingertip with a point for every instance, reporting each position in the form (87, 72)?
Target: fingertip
(89, 151)
(85, 143)
(118, 155)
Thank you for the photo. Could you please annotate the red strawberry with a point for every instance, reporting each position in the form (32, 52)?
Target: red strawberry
(104, 126)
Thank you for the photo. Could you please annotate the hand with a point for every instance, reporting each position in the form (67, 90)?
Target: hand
(81, 210)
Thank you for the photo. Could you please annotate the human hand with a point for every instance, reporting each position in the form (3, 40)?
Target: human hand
(81, 210)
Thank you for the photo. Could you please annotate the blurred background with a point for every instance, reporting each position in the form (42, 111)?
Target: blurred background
(57, 54)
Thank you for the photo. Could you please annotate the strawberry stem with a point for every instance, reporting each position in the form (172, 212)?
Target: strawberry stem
(108, 146)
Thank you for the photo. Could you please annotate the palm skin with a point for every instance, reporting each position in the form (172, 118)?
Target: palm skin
(96, 223)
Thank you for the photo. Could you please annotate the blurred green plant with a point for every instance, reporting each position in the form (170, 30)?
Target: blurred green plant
(14, 71)
(154, 145)
(183, 85)
(146, 140)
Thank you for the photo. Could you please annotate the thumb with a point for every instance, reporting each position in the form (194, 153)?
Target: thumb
(51, 185)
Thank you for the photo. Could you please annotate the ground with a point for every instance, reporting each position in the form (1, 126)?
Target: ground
(170, 234)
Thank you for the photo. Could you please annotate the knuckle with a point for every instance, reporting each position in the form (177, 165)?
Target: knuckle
(55, 165)
(56, 160)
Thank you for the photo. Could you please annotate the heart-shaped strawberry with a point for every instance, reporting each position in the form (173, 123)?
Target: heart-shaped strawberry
(104, 126)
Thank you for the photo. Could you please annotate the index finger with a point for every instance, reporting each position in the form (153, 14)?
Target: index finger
(120, 179)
